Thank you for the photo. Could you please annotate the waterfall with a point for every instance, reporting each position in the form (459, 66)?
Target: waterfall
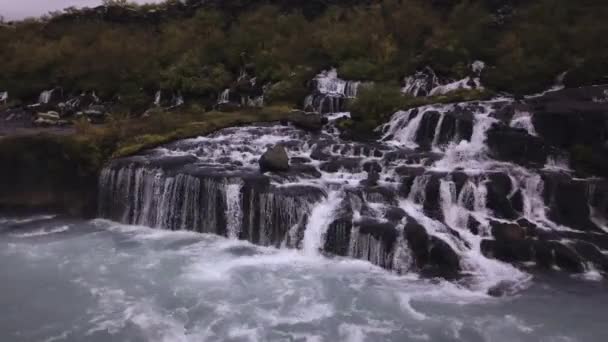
(321, 216)
(45, 96)
(224, 97)
(157, 98)
(426, 83)
(429, 196)
(523, 120)
(403, 127)
(3, 96)
(421, 83)
(234, 212)
(328, 83)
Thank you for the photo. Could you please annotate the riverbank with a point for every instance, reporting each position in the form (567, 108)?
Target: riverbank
(57, 168)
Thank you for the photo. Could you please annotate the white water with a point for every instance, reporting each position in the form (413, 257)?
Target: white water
(321, 216)
(329, 83)
(111, 282)
(234, 212)
(523, 120)
(45, 96)
(224, 97)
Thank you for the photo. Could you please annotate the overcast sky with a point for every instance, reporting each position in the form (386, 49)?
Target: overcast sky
(19, 9)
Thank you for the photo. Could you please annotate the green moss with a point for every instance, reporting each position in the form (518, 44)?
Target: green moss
(189, 125)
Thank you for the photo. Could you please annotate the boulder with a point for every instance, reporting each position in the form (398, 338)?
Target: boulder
(499, 187)
(567, 259)
(337, 239)
(567, 201)
(418, 241)
(507, 232)
(508, 251)
(444, 259)
(516, 145)
(394, 214)
(307, 121)
(275, 159)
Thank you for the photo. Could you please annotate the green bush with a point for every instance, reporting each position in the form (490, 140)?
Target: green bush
(376, 102)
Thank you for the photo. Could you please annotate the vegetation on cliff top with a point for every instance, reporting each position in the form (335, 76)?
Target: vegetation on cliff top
(525, 44)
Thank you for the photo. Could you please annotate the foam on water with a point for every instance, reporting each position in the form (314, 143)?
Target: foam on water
(42, 232)
(321, 216)
(204, 287)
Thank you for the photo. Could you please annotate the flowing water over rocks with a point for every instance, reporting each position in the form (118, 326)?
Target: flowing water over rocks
(443, 193)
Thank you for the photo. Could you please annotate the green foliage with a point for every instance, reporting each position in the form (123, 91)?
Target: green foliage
(376, 102)
(202, 52)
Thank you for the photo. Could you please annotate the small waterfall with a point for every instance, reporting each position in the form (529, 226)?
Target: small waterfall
(471, 153)
(486, 272)
(421, 83)
(523, 120)
(178, 100)
(234, 212)
(403, 127)
(534, 204)
(328, 83)
(321, 216)
(224, 97)
(157, 98)
(426, 83)
(330, 93)
(3, 96)
(45, 96)
(437, 135)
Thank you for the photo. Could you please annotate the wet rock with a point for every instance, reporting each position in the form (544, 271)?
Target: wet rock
(508, 251)
(337, 164)
(304, 170)
(385, 232)
(394, 214)
(274, 159)
(372, 166)
(567, 201)
(432, 198)
(499, 188)
(572, 116)
(567, 259)
(516, 145)
(444, 259)
(591, 253)
(473, 225)
(371, 180)
(503, 288)
(543, 253)
(307, 121)
(338, 236)
(418, 241)
(507, 232)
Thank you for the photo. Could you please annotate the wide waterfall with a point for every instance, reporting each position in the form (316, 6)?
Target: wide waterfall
(433, 195)
(330, 93)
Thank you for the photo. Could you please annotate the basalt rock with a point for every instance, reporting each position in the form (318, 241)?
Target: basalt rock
(516, 145)
(275, 159)
(307, 121)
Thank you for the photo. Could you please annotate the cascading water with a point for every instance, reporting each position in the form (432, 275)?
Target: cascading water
(429, 196)
(321, 216)
(330, 93)
(45, 96)
(234, 211)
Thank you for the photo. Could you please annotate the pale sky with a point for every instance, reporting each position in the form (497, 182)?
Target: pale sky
(19, 9)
